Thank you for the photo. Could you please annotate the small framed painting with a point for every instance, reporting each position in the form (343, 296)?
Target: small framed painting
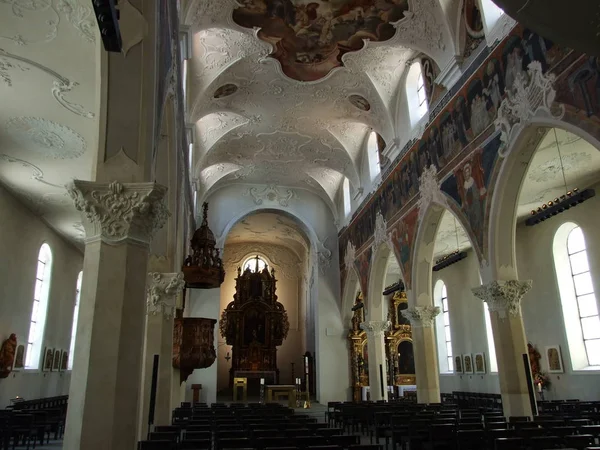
(458, 364)
(56, 360)
(64, 361)
(467, 363)
(479, 363)
(555, 363)
(48, 356)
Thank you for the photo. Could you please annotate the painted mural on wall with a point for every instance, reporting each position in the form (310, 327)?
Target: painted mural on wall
(310, 37)
(463, 125)
(403, 235)
(362, 264)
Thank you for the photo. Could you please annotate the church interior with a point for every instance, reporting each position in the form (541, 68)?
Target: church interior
(341, 224)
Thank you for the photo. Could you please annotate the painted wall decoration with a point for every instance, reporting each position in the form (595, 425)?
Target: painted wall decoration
(358, 101)
(464, 124)
(310, 37)
(403, 238)
(363, 266)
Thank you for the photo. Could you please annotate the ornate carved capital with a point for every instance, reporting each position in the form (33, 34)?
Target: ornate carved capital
(376, 327)
(421, 316)
(381, 235)
(429, 191)
(161, 291)
(116, 212)
(503, 296)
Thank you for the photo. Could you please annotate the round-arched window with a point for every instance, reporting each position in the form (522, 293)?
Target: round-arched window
(255, 264)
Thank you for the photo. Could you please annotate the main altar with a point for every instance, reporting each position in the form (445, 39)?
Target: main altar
(254, 324)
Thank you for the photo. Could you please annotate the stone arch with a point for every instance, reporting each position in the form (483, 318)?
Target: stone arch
(378, 272)
(507, 188)
(349, 290)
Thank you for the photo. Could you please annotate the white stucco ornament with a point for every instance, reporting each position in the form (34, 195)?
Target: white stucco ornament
(162, 290)
(421, 316)
(429, 191)
(116, 212)
(532, 95)
(376, 327)
(503, 297)
(350, 255)
(272, 194)
(381, 235)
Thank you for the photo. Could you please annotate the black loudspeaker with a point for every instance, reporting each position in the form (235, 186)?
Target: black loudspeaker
(381, 381)
(153, 394)
(530, 389)
(107, 16)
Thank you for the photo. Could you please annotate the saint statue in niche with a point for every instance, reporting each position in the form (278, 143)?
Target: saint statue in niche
(7, 355)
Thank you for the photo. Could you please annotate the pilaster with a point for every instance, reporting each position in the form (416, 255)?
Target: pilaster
(376, 330)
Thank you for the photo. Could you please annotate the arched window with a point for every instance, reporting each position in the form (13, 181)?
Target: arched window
(490, 338)
(39, 308)
(346, 199)
(579, 304)
(75, 318)
(444, 336)
(255, 264)
(373, 153)
(415, 93)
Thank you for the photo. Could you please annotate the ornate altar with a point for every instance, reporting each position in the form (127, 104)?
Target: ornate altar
(359, 357)
(254, 323)
(193, 344)
(398, 340)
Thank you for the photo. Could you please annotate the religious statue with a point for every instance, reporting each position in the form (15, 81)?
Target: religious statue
(534, 359)
(7, 355)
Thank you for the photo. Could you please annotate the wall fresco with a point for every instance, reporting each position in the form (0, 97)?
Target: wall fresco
(403, 236)
(363, 267)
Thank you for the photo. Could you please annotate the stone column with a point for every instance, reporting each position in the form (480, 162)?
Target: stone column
(162, 290)
(120, 221)
(376, 346)
(504, 302)
(422, 319)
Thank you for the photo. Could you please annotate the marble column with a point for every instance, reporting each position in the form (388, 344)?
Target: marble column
(376, 346)
(162, 290)
(422, 319)
(120, 221)
(504, 302)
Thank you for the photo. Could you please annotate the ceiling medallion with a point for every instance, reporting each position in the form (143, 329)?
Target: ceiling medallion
(225, 91)
(359, 102)
(310, 38)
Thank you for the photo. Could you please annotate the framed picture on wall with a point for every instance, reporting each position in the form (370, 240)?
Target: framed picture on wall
(458, 364)
(64, 361)
(554, 357)
(479, 363)
(56, 360)
(48, 355)
(467, 363)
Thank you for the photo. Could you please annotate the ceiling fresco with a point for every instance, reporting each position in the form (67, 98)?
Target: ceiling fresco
(310, 38)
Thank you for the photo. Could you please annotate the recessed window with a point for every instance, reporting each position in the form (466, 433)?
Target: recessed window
(444, 335)
(490, 338)
(75, 318)
(416, 95)
(346, 199)
(255, 264)
(373, 152)
(39, 308)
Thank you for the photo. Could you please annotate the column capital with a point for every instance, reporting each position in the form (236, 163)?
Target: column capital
(421, 316)
(503, 296)
(162, 290)
(116, 212)
(376, 327)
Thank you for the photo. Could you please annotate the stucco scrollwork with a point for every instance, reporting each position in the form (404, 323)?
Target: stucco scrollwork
(376, 328)
(503, 296)
(381, 235)
(350, 255)
(116, 212)
(162, 290)
(421, 316)
(429, 190)
(532, 95)
(421, 27)
(272, 194)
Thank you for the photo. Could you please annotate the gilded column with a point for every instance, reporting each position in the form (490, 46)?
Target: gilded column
(504, 302)
(375, 330)
(422, 319)
(162, 290)
(120, 221)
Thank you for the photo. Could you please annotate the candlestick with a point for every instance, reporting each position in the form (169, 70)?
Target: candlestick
(539, 386)
(262, 381)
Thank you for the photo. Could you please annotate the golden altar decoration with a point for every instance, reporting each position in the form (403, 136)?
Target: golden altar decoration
(399, 344)
(359, 357)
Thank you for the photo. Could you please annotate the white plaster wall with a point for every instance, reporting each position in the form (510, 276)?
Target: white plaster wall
(542, 310)
(204, 303)
(467, 325)
(21, 236)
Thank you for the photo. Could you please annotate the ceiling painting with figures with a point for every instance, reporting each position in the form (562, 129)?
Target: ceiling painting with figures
(310, 38)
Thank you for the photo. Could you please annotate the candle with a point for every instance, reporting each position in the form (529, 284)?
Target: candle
(539, 386)
(262, 381)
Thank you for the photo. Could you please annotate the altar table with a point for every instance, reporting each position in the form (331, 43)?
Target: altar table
(275, 390)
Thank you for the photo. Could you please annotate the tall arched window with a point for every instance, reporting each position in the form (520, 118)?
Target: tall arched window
(579, 304)
(416, 96)
(39, 308)
(373, 153)
(255, 264)
(75, 318)
(346, 195)
(490, 338)
(444, 335)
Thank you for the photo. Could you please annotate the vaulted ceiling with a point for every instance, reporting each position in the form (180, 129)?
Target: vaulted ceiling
(290, 101)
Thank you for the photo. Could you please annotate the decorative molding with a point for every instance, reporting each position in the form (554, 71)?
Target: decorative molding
(501, 29)
(271, 194)
(5, 67)
(503, 296)
(133, 26)
(324, 257)
(530, 96)
(429, 191)
(350, 255)
(49, 139)
(376, 328)
(80, 17)
(288, 264)
(116, 212)
(37, 173)
(421, 316)
(420, 27)
(162, 290)
(381, 235)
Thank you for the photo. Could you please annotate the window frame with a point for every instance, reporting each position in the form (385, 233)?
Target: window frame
(251, 259)
(373, 156)
(415, 83)
(346, 200)
(443, 329)
(75, 321)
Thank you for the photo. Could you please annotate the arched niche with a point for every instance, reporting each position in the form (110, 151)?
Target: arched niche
(505, 197)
